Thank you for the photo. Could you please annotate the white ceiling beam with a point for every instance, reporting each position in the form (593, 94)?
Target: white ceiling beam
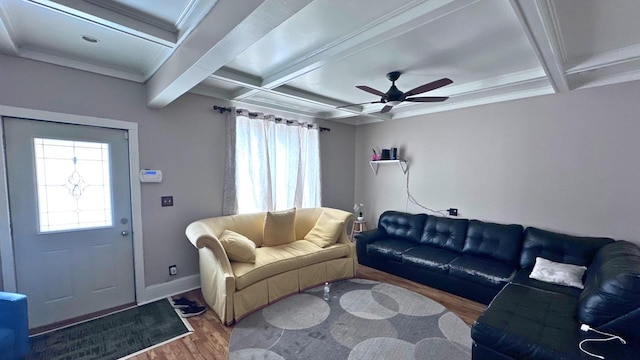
(609, 58)
(227, 30)
(250, 82)
(7, 45)
(111, 19)
(538, 21)
(237, 78)
(401, 21)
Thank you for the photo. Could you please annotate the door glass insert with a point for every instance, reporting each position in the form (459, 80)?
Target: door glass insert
(74, 184)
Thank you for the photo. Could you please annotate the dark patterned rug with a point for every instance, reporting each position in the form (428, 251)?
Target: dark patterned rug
(114, 336)
(362, 320)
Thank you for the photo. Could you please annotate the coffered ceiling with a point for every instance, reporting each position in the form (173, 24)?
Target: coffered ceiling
(307, 56)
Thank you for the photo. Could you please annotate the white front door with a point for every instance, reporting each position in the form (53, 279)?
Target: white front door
(70, 206)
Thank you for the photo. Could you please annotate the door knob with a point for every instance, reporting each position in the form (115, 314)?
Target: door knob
(124, 233)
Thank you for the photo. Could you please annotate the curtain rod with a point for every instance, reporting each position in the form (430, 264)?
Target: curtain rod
(223, 109)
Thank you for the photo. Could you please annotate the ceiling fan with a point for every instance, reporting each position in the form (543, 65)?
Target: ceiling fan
(393, 96)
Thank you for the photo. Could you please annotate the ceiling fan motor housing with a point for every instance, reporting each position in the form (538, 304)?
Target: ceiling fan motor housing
(393, 95)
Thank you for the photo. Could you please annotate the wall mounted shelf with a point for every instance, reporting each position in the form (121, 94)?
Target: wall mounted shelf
(404, 165)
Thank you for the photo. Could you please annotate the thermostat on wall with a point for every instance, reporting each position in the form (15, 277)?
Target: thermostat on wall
(153, 176)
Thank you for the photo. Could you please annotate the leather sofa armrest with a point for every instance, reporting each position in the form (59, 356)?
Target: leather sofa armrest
(369, 236)
(611, 296)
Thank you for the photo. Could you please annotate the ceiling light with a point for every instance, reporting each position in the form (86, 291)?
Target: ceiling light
(90, 39)
(393, 103)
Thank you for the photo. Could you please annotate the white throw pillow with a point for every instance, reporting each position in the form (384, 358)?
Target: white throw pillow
(558, 273)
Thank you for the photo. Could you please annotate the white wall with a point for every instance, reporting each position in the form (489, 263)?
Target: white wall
(186, 140)
(565, 162)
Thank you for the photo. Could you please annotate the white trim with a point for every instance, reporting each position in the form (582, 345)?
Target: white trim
(6, 244)
(177, 286)
(6, 241)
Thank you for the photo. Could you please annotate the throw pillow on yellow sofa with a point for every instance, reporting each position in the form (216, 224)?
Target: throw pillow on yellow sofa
(279, 228)
(238, 247)
(326, 231)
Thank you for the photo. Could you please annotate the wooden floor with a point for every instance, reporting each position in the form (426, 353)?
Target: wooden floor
(211, 339)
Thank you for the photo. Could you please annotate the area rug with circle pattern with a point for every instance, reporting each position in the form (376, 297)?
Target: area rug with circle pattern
(363, 319)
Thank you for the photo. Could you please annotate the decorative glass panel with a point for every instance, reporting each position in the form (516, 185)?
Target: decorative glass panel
(74, 184)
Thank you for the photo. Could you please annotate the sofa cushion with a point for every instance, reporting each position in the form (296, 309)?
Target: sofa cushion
(429, 257)
(558, 273)
(612, 285)
(402, 225)
(557, 247)
(498, 241)
(326, 230)
(482, 270)
(238, 247)
(445, 233)
(522, 278)
(528, 323)
(273, 260)
(279, 227)
(390, 248)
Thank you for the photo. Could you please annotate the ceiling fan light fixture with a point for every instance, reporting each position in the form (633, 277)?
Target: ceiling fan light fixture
(393, 103)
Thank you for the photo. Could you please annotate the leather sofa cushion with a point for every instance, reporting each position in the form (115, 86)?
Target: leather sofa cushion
(557, 247)
(429, 257)
(482, 270)
(522, 278)
(445, 233)
(527, 323)
(498, 241)
(402, 225)
(612, 286)
(273, 260)
(390, 248)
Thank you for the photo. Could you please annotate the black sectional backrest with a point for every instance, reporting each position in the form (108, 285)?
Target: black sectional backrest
(445, 233)
(402, 225)
(558, 247)
(497, 241)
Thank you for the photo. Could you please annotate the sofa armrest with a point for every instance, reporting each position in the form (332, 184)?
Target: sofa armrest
(369, 236)
(218, 284)
(14, 317)
(611, 296)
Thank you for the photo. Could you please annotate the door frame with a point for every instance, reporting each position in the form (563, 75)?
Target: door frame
(6, 240)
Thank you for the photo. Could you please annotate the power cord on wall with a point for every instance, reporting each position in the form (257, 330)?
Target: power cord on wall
(586, 328)
(413, 200)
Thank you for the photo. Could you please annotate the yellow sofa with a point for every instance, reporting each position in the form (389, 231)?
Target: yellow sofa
(235, 289)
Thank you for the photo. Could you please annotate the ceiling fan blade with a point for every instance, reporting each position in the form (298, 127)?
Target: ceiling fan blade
(366, 103)
(370, 90)
(427, 99)
(428, 87)
(386, 109)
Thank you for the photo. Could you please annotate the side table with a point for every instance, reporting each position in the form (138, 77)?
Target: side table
(358, 227)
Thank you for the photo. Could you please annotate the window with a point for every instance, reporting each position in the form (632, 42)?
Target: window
(73, 184)
(277, 165)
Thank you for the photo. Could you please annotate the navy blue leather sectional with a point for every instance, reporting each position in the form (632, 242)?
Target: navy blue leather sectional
(490, 263)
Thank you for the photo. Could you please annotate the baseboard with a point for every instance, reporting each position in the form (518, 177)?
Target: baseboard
(177, 286)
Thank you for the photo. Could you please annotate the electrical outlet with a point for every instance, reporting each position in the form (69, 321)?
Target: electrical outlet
(166, 200)
(453, 211)
(173, 270)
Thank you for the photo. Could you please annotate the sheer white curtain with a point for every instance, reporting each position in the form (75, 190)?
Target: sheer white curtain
(277, 164)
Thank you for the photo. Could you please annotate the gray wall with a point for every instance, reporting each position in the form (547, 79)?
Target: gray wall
(186, 140)
(565, 162)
